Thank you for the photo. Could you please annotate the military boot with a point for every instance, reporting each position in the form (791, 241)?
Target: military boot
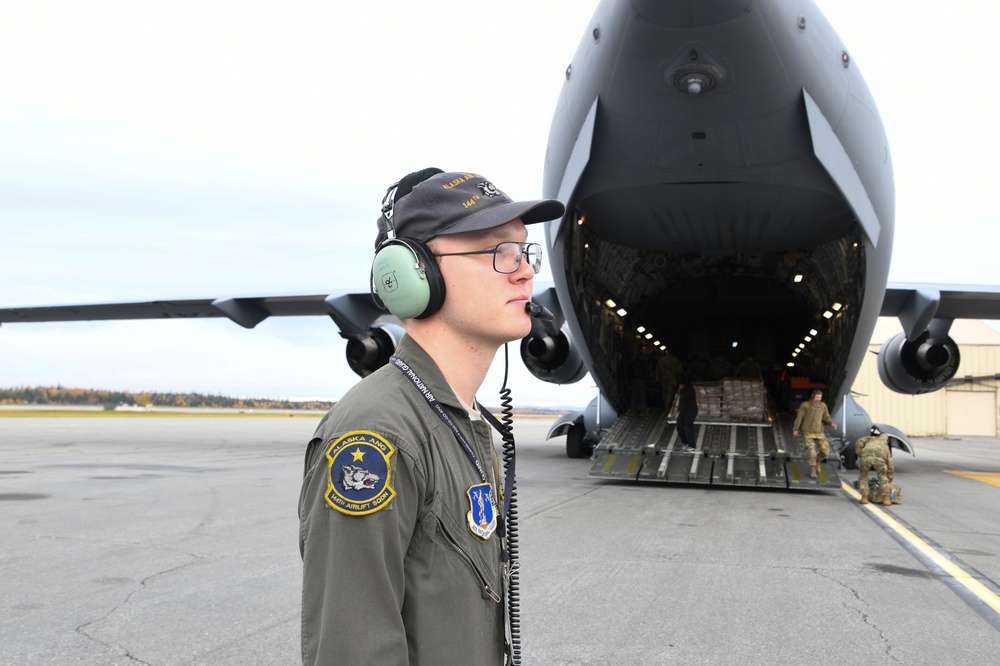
(886, 496)
(812, 470)
(864, 499)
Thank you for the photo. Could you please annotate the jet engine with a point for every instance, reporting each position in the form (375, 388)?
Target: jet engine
(368, 352)
(552, 357)
(922, 365)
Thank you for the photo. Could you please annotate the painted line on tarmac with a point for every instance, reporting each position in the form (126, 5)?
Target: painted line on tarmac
(985, 477)
(973, 587)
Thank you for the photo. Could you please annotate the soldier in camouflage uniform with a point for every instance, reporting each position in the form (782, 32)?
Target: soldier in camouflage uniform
(873, 454)
(668, 371)
(813, 416)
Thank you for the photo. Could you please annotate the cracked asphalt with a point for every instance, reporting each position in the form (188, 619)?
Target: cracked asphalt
(174, 541)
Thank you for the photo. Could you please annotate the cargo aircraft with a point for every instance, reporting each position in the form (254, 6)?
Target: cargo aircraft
(729, 195)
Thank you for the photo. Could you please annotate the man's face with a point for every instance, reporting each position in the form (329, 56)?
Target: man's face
(817, 397)
(479, 302)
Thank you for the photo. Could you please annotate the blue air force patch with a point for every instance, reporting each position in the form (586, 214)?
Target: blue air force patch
(359, 473)
(482, 516)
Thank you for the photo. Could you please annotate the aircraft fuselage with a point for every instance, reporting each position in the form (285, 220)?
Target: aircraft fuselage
(729, 189)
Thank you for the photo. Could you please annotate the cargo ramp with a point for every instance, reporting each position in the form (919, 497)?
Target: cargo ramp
(738, 442)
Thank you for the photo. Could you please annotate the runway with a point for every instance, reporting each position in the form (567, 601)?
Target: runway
(174, 541)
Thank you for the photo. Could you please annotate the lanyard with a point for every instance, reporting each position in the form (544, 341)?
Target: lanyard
(462, 439)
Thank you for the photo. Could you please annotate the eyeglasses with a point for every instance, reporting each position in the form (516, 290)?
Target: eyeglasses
(507, 256)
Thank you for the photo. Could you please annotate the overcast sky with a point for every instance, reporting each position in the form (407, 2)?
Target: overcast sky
(208, 149)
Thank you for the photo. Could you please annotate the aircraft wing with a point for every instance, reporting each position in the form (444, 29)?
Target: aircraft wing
(371, 333)
(353, 313)
(917, 305)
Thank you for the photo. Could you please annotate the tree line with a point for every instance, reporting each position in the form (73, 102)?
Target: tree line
(59, 395)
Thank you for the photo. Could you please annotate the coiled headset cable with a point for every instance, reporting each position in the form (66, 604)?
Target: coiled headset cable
(508, 516)
(510, 483)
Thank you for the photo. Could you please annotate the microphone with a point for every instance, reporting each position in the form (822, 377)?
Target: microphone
(538, 312)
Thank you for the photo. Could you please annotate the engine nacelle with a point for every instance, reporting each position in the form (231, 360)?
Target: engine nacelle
(553, 358)
(917, 366)
(368, 353)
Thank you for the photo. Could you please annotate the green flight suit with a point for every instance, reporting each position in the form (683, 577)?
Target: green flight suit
(400, 578)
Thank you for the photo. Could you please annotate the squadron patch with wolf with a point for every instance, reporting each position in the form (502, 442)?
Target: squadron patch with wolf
(359, 472)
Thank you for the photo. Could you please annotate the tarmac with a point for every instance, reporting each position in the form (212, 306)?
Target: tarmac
(175, 541)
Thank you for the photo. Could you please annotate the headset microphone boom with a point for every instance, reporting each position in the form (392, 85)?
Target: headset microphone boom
(538, 312)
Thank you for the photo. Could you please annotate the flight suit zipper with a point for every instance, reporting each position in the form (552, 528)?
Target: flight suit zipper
(487, 588)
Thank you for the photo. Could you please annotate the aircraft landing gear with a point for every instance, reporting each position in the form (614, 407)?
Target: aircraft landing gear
(850, 458)
(576, 444)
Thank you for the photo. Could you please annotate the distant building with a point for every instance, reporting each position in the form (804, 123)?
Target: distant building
(967, 406)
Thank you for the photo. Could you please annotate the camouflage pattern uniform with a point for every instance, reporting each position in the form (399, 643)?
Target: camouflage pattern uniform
(812, 417)
(668, 370)
(873, 454)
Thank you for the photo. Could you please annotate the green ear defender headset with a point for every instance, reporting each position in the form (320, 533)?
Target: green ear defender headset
(405, 277)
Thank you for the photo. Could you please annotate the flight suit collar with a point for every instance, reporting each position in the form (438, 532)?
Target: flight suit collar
(410, 351)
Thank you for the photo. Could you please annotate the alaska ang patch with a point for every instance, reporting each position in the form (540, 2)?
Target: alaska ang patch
(359, 472)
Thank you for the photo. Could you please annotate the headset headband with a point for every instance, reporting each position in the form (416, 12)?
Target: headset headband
(388, 201)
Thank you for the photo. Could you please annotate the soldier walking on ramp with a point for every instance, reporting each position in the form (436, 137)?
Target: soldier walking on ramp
(812, 417)
(873, 454)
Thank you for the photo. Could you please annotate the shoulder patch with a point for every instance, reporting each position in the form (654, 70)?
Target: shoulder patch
(358, 473)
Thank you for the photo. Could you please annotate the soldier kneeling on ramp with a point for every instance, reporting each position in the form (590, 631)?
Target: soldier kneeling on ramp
(873, 454)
